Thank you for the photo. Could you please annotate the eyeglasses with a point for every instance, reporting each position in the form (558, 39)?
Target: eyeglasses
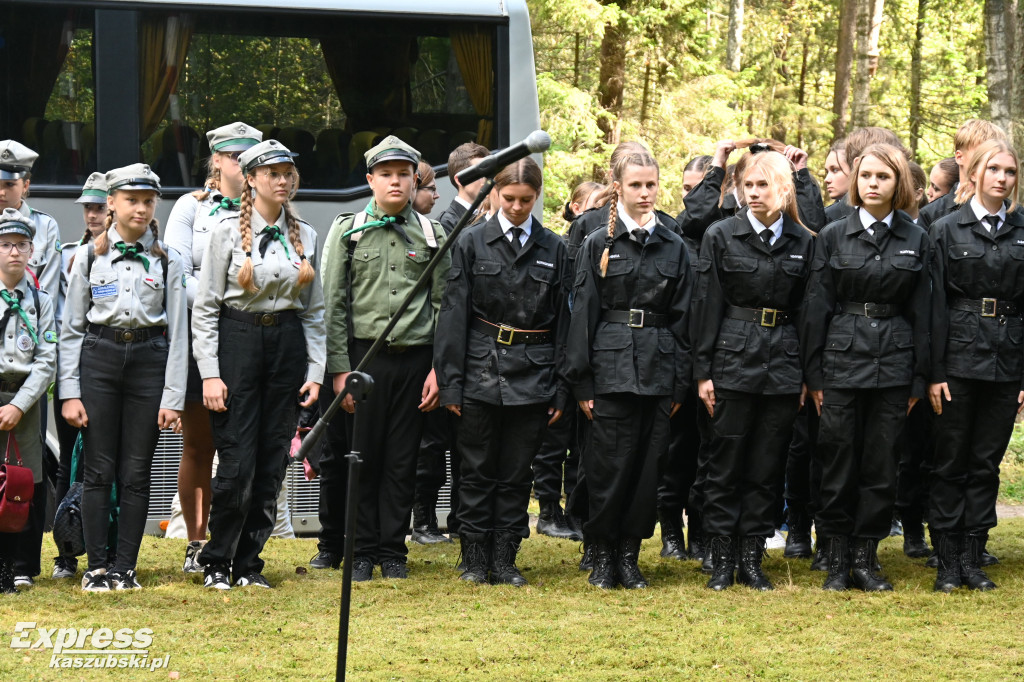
(428, 188)
(22, 247)
(275, 176)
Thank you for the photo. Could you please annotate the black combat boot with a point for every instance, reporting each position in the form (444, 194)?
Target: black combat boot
(984, 558)
(587, 560)
(627, 569)
(914, 545)
(424, 524)
(947, 577)
(7, 577)
(603, 573)
(933, 557)
(475, 551)
(838, 552)
(749, 572)
(798, 539)
(695, 537)
(820, 560)
(863, 572)
(673, 544)
(552, 521)
(970, 555)
(503, 560)
(722, 550)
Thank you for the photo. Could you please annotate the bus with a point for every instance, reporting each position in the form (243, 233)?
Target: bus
(97, 84)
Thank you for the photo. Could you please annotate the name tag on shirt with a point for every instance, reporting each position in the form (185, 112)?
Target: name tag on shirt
(908, 252)
(104, 290)
(545, 264)
(1019, 242)
(796, 256)
(613, 256)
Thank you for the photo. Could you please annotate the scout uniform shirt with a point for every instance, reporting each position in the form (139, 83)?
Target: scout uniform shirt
(120, 292)
(45, 261)
(188, 232)
(386, 261)
(275, 273)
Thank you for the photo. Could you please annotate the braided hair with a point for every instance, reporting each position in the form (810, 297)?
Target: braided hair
(637, 155)
(306, 272)
(245, 275)
(212, 180)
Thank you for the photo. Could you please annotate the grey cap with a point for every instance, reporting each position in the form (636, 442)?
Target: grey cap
(13, 222)
(137, 176)
(94, 191)
(264, 154)
(15, 160)
(234, 137)
(391, 148)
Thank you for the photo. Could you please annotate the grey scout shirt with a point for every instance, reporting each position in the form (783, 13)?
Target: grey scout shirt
(188, 231)
(123, 295)
(276, 276)
(45, 260)
(23, 358)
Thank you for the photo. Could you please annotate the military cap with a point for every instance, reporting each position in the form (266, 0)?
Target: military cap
(264, 154)
(15, 160)
(13, 222)
(391, 149)
(94, 191)
(137, 176)
(234, 137)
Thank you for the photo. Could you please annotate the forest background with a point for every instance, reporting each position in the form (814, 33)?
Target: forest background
(679, 75)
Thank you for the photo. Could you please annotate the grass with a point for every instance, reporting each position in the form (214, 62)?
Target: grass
(1011, 472)
(434, 627)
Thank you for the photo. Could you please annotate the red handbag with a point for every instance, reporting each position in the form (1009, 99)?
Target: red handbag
(16, 488)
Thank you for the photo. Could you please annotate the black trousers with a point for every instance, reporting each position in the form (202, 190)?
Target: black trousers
(333, 477)
(696, 499)
(497, 444)
(263, 368)
(803, 469)
(971, 436)
(387, 434)
(122, 385)
(679, 466)
(629, 435)
(66, 437)
(857, 450)
(557, 460)
(577, 502)
(915, 463)
(438, 439)
(749, 433)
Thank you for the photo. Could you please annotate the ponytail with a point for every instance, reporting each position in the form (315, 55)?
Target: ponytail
(157, 250)
(245, 275)
(306, 272)
(102, 243)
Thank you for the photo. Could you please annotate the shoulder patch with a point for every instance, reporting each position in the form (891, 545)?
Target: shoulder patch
(183, 282)
(50, 336)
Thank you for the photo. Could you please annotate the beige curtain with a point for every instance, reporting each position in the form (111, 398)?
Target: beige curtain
(163, 48)
(474, 50)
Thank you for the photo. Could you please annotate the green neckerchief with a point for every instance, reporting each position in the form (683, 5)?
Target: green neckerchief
(229, 204)
(134, 252)
(275, 233)
(13, 303)
(382, 222)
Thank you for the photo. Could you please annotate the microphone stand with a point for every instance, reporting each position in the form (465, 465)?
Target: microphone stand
(358, 384)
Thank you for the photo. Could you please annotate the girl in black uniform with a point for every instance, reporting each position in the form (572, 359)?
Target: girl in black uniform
(752, 272)
(865, 332)
(500, 343)
(978, 370)
(628, 363)
(837, 180)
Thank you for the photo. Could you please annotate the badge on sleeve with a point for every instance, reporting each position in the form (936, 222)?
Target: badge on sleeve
(50, 336)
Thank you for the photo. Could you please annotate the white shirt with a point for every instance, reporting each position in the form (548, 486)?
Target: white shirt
(759, 227)
(867, 220)
(462, 202)
(506, 227)
(980, 211)
(632, 224)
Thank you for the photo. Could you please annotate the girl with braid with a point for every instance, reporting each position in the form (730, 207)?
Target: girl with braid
(188, 232)
(628, 364)
(122, 362)
(259, 301)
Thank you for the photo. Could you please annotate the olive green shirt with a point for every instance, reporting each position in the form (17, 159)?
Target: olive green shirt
(386, 262)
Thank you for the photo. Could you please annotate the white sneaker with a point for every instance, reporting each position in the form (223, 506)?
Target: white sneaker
(217, 578)
(96, 581)
(192, 564)
(777, 541)
(23, 581)
(64, 568)
(124, 581)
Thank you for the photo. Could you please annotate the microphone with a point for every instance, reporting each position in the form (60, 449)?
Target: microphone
(536, 142)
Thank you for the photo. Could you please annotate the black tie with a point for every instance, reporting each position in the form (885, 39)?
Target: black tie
(993, 221)
(766, 237)
(879, 228)
(640, 235)
(516, 234)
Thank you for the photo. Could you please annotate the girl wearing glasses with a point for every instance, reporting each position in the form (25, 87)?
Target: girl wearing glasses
(425, 196)
(188, 232)
(259, 340)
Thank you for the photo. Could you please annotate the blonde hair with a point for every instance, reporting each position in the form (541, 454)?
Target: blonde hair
(246, 276)
(976, 131)
(635, 156)
(621, 150)
(903, 197)
(101, 243)
(778, 172)
(212, 179)
(979, 160)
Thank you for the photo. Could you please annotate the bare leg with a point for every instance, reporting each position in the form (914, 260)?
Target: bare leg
(194, 471)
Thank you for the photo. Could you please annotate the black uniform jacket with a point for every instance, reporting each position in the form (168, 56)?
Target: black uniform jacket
(845, 350)
(612, 357)
(525, 291)
(971, 263)
(838, 210)
(451, 216)
(737, 268)
(939, 209)
(597, 219)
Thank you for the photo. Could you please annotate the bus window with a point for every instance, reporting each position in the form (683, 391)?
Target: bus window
(46, 78)
(328, 89)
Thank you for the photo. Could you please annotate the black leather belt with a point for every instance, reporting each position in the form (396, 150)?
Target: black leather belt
(766, 317)
(507, 335)
(871, 309)
(986, 307)
(259, 319)
(126, 335)
(11, 386)
(635, 318)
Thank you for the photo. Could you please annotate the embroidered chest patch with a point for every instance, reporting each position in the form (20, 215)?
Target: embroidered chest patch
(104, 290)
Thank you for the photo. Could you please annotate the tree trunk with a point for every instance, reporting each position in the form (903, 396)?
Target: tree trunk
(613, 71)
(915, 78)
(844, 65)
(998, 51)
(1017, 84)
(869, 27)
(734, 49)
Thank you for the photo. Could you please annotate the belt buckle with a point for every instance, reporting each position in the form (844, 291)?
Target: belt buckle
(988, 307)
(632, 313)
(267, 320)
(502, 330)
(767, 321)
(870, 309)
(127, 336)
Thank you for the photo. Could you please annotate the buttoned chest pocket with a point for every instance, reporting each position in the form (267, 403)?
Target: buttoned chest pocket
(487, 284)
(237, 261)
(910, 263)
(103, 284)
(794, 268)
(845, 261)
(415, 261)
(1016, 251)
(737, 270)
(151, 291)
(539, 283)
(366, 264)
